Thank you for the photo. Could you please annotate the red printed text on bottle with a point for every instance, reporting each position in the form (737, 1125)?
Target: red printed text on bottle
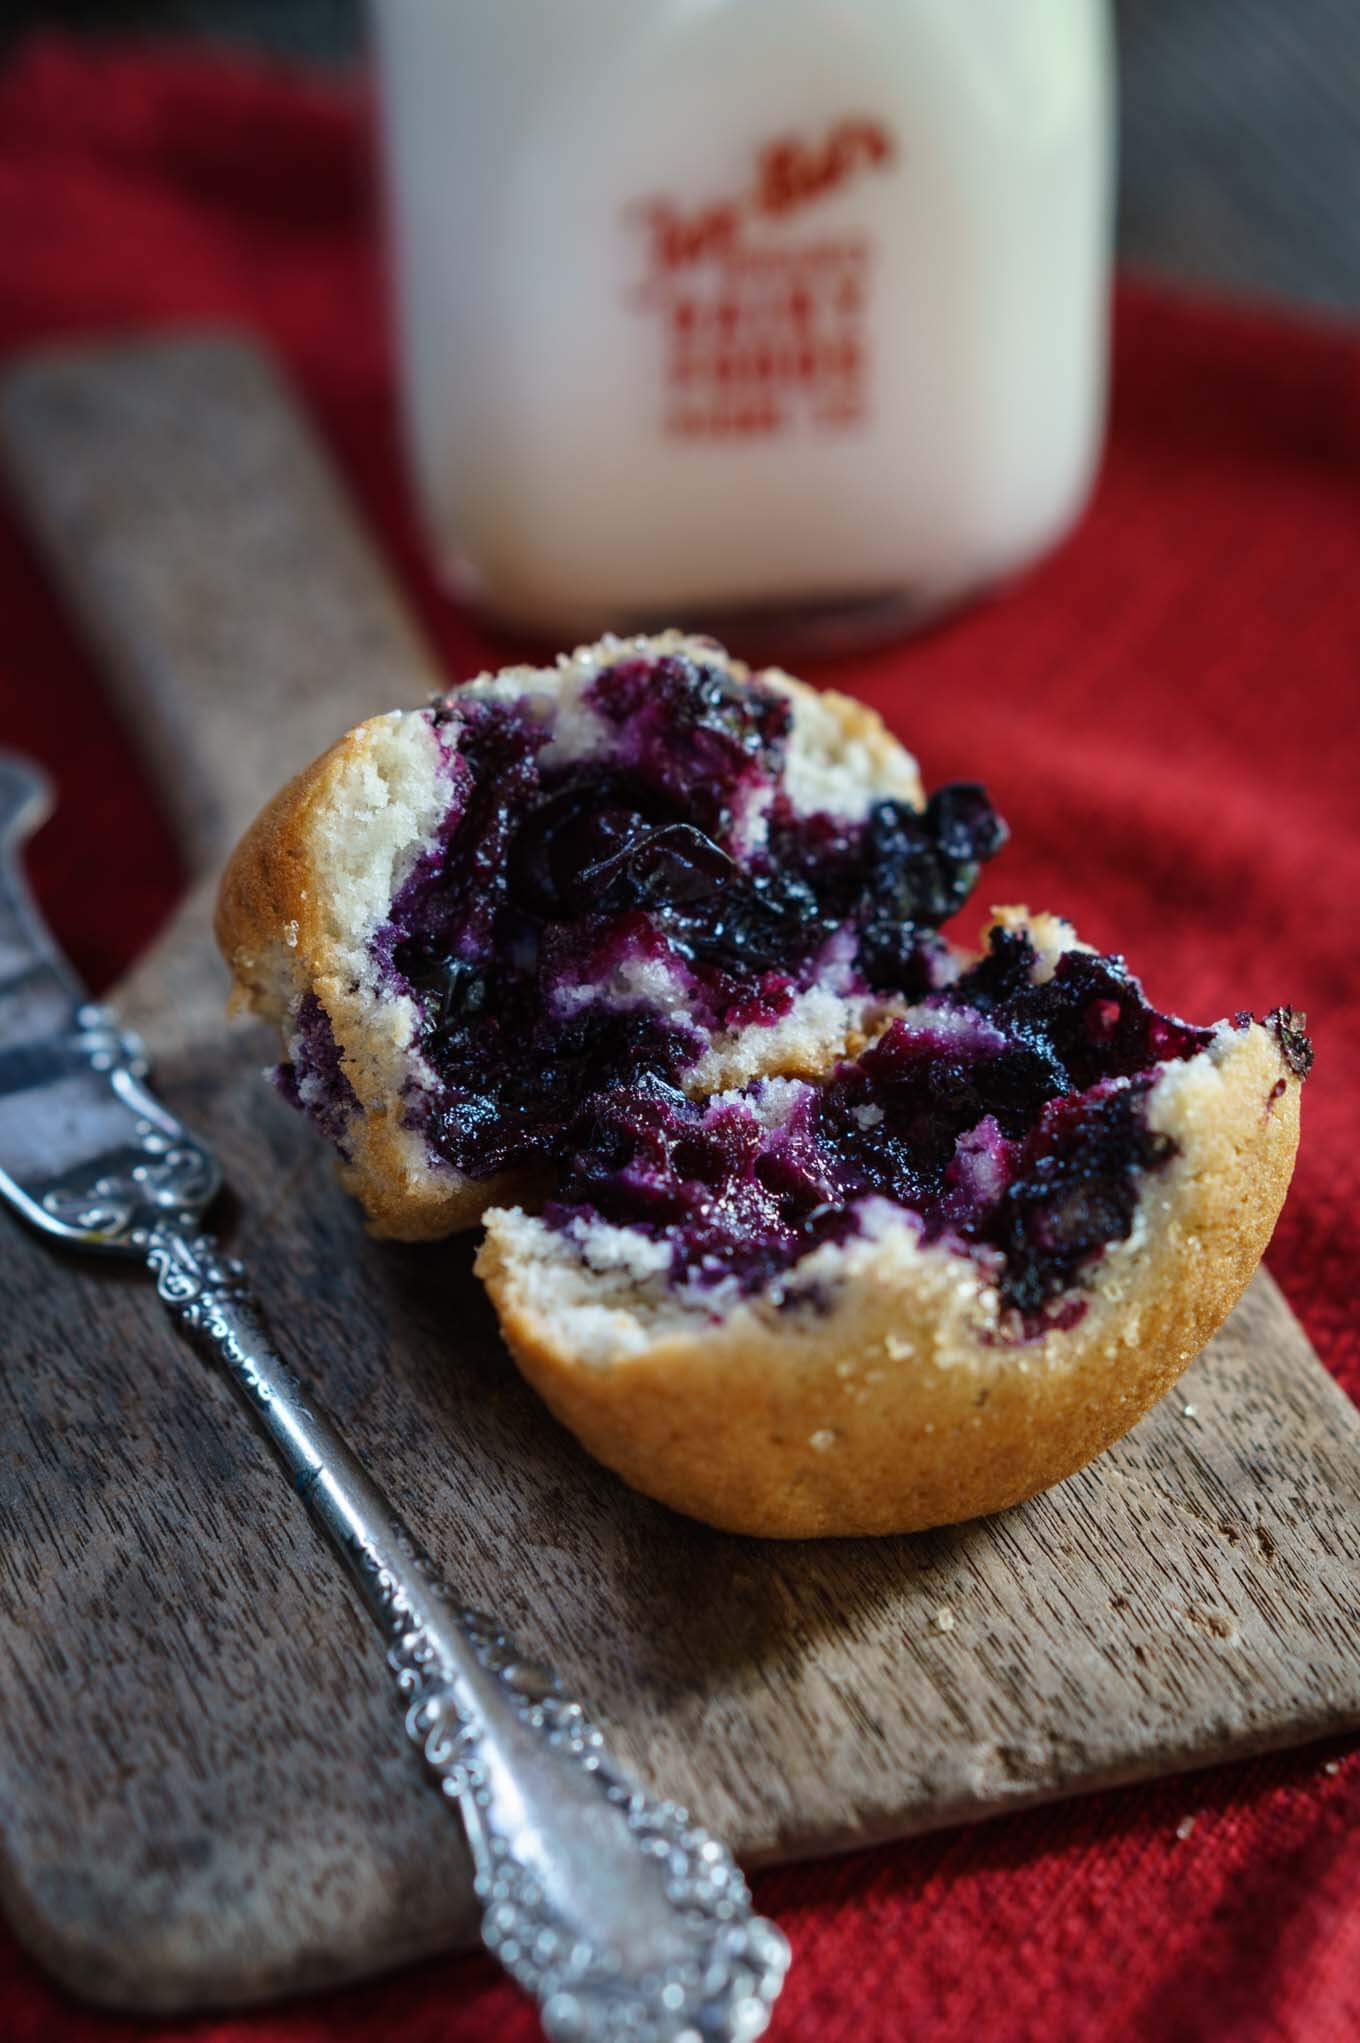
(763, 332)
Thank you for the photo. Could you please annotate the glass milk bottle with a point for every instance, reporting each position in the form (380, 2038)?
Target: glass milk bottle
(747, 314)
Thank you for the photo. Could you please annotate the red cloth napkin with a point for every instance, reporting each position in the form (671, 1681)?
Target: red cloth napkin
(1168, 711)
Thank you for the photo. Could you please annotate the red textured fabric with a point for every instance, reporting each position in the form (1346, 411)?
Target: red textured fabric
(1168, 711)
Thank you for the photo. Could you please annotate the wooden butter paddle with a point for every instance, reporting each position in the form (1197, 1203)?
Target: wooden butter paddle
(203, 1795)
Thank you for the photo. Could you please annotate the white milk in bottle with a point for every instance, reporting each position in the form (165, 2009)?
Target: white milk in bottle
(747, 310)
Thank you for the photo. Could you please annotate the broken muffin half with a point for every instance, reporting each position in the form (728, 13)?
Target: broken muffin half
(469, 919)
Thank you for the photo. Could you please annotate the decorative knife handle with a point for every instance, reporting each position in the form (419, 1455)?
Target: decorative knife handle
(626, 1921)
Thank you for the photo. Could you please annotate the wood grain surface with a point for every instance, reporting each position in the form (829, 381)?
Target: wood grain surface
(204, 1791)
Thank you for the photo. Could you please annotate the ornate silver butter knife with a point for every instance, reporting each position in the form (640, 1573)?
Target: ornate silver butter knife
(621, 1916)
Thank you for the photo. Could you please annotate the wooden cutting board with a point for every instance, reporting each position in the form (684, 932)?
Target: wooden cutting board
(204, 1792)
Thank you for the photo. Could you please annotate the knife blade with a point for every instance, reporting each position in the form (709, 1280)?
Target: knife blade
(76, 1118)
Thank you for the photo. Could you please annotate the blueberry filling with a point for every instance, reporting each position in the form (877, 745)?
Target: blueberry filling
(1007, 1116)
(1287, 1027)
(585, 926)
(591, 923)
(314, 1080)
